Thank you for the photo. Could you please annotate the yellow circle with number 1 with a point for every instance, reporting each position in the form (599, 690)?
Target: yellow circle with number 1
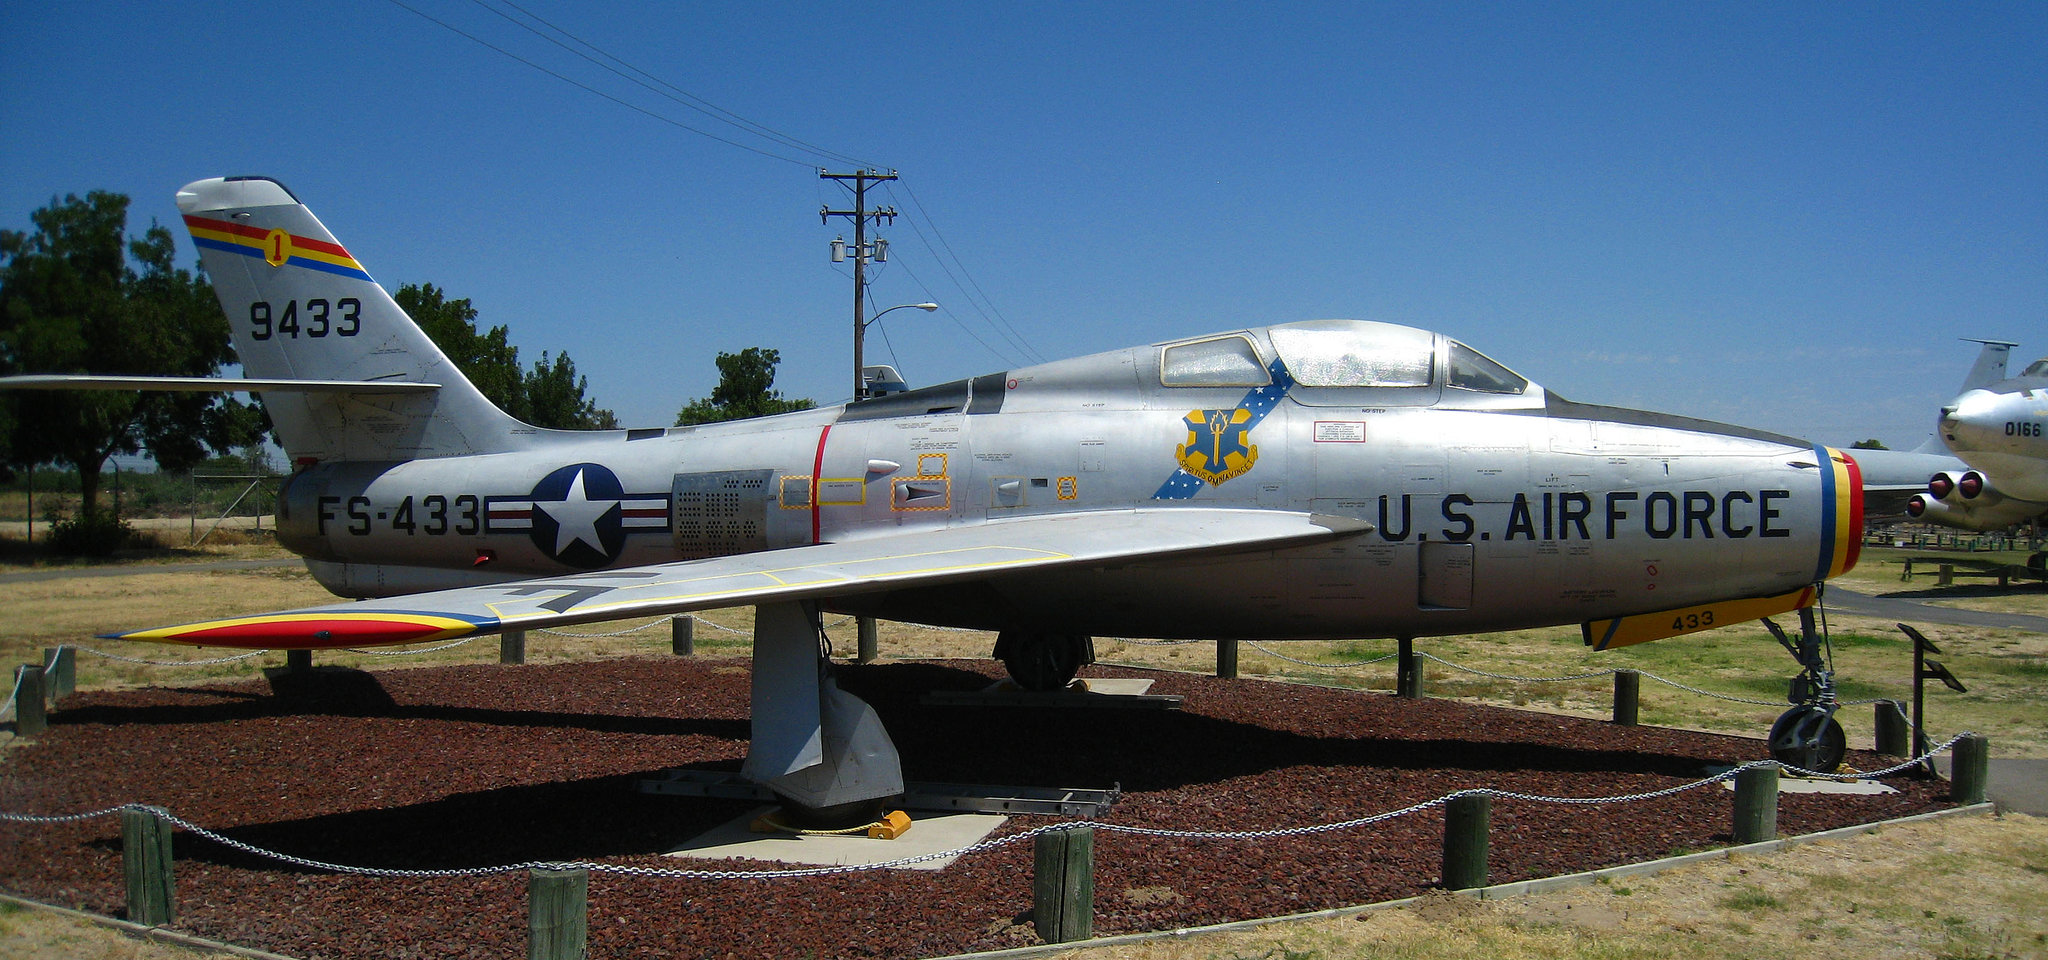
(277, 248)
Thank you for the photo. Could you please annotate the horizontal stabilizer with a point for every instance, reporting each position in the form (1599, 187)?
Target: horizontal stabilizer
(1644, 627)
(209, 384)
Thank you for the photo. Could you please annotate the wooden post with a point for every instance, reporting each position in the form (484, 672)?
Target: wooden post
(298, 661)
(1467, 826)
(31, 713)
(512, 647)
(1970, 770)
(1226, 659)
(146, 862)
(558, 914)
(1628, 688)
(1948, 575)
(1408, 672)
(1063, 885)
(60, 672)
(868, 646)
(682, 634)
(1756, 805)
(1894, 732)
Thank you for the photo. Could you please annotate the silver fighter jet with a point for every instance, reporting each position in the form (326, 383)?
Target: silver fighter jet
(1323, 479)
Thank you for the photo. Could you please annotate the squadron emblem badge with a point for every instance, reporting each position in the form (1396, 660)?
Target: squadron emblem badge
(1218, 447)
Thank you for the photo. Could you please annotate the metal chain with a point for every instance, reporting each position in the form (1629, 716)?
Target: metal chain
(1717, 696)
(719, 626)
(614, 633)
(1503, 676)
(1310, 663)
(1154, 643)
(12, 695)
(408, 653)
(983, 846)
(171, 663)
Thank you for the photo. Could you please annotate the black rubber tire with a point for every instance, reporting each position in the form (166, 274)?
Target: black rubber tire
(1044, 661)
(1796, 743)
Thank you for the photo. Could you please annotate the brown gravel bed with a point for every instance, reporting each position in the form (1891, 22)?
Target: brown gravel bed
(481, 765)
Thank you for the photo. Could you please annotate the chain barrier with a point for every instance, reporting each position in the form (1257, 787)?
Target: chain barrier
(7, 709)
(615, 633)
(102, 654)
(452, 644)
(1310, 663)
(1504, 676)
(980, 847)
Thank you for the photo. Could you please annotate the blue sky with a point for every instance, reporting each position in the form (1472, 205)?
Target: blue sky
(1776, 215)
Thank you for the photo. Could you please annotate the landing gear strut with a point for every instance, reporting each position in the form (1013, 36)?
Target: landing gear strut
(1044, 661)
(1808, 736)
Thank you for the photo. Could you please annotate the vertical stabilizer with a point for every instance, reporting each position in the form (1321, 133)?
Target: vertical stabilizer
(300, 307)
(1990, 365)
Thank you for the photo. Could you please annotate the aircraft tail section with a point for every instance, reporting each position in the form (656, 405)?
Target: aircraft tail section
(1990, 365)
(300, 307)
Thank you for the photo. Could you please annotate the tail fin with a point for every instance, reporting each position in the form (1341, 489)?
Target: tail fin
(1990, 365)
(301, 308)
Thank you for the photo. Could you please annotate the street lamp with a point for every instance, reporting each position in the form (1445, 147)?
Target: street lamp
(860, 380)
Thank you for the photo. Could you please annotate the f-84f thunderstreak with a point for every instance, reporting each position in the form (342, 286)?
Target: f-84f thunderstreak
(1324, 479)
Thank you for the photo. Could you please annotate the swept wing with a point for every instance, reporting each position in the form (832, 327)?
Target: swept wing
(920, 558)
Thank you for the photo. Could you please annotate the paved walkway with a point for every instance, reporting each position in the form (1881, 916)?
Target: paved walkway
(2017, 784)
(1891, 608)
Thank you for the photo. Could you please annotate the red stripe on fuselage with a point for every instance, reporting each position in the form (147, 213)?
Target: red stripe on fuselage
(818, 470)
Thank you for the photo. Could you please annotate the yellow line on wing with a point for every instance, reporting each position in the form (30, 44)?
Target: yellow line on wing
(779, 578)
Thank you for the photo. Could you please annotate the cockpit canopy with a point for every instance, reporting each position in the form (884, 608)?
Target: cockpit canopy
(2038, 368)
(1340, 362)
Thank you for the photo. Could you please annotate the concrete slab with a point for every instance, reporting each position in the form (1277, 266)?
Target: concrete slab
(1114, 686)
(1847, 787)
(929, 833)
(1791, 784)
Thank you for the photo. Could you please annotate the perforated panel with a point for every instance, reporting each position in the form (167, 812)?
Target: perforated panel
(723, 513)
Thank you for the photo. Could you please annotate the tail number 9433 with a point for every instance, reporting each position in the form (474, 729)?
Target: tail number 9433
(316, 319)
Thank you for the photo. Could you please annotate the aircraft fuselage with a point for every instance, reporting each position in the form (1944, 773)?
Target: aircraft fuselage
(1488, 509)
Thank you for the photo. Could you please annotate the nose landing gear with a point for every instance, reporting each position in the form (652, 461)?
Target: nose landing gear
(1808, 736)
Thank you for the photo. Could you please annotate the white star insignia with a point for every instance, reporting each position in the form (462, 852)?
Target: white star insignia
(576, 516)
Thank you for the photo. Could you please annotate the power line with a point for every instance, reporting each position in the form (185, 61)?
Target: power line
(1003, 324)
(676, 94)
(950, 315)
(1010, 337)
(590, 89)
(942, 253)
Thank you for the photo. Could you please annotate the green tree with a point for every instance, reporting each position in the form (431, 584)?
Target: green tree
(549, 395)
(73, 299)
(489, 360)
(1871, 444)
(746, 388)
(555, 397)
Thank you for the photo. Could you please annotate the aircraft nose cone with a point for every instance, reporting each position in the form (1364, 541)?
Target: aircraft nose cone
(1970, 417)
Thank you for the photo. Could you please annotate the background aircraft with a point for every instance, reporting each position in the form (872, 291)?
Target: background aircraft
(1321, 479)
(1996, 425)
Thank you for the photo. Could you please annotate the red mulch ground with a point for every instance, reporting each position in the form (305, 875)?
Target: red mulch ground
(475, 766)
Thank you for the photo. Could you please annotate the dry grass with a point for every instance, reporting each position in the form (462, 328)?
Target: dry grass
(1960, 887)
(1953, 889)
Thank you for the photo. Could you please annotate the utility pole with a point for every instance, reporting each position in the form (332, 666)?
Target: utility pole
(863, 251)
